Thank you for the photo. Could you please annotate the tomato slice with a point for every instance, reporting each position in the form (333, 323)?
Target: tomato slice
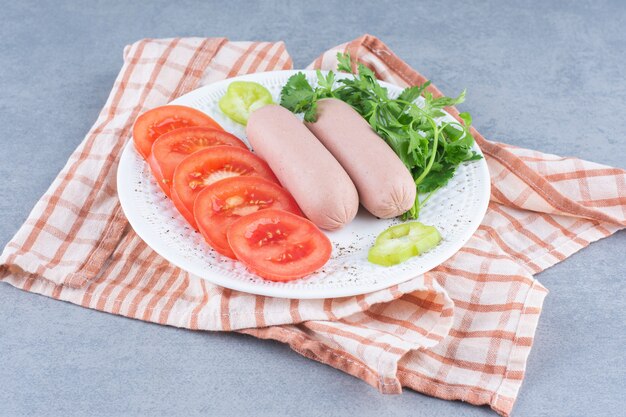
(210, 165)
(153, 123)
(278, 245)
(171, 148)
(223, 202)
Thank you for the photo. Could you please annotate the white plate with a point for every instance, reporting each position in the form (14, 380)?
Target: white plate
(455, 210)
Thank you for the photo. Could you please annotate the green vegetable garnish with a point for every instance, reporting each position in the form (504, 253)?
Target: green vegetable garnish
(430, 148)
(403, 241)
(242, 98)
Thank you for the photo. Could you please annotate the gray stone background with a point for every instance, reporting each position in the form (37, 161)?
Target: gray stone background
(544, 75)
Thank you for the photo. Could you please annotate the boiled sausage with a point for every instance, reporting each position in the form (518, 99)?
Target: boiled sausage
(384, 184)
(318, 183)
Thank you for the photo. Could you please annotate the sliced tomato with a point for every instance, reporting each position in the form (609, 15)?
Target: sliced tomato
(210, 165)
(278, 245)
(223, 202)
(171, 148)
(153, 123)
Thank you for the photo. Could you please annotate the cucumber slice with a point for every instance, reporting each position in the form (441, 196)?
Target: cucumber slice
(242, 98)
(403, 241)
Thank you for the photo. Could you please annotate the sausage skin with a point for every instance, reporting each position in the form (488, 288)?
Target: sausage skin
(318, 183)
(384, 184)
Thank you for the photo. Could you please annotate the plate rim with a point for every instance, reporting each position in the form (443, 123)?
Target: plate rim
(143, 230)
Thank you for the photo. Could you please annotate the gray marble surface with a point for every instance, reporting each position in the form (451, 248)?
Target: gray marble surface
(539, 74)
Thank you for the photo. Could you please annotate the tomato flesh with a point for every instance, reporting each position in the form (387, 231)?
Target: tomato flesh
(171, 148)
(278, 245)
(160, 120)
(220, 204)
(209, 165)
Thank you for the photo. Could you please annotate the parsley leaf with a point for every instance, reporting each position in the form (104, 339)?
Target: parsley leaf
(430, 149)
(297, 95)
(300, 97)
(411, 94)
(344, 62)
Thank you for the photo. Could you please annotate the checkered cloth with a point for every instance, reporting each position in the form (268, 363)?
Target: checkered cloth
(461, 332)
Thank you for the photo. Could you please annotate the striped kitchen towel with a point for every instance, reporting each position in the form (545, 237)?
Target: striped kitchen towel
(461, 332)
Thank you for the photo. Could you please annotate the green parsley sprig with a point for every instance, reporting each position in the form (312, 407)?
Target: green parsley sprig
(430, 147)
